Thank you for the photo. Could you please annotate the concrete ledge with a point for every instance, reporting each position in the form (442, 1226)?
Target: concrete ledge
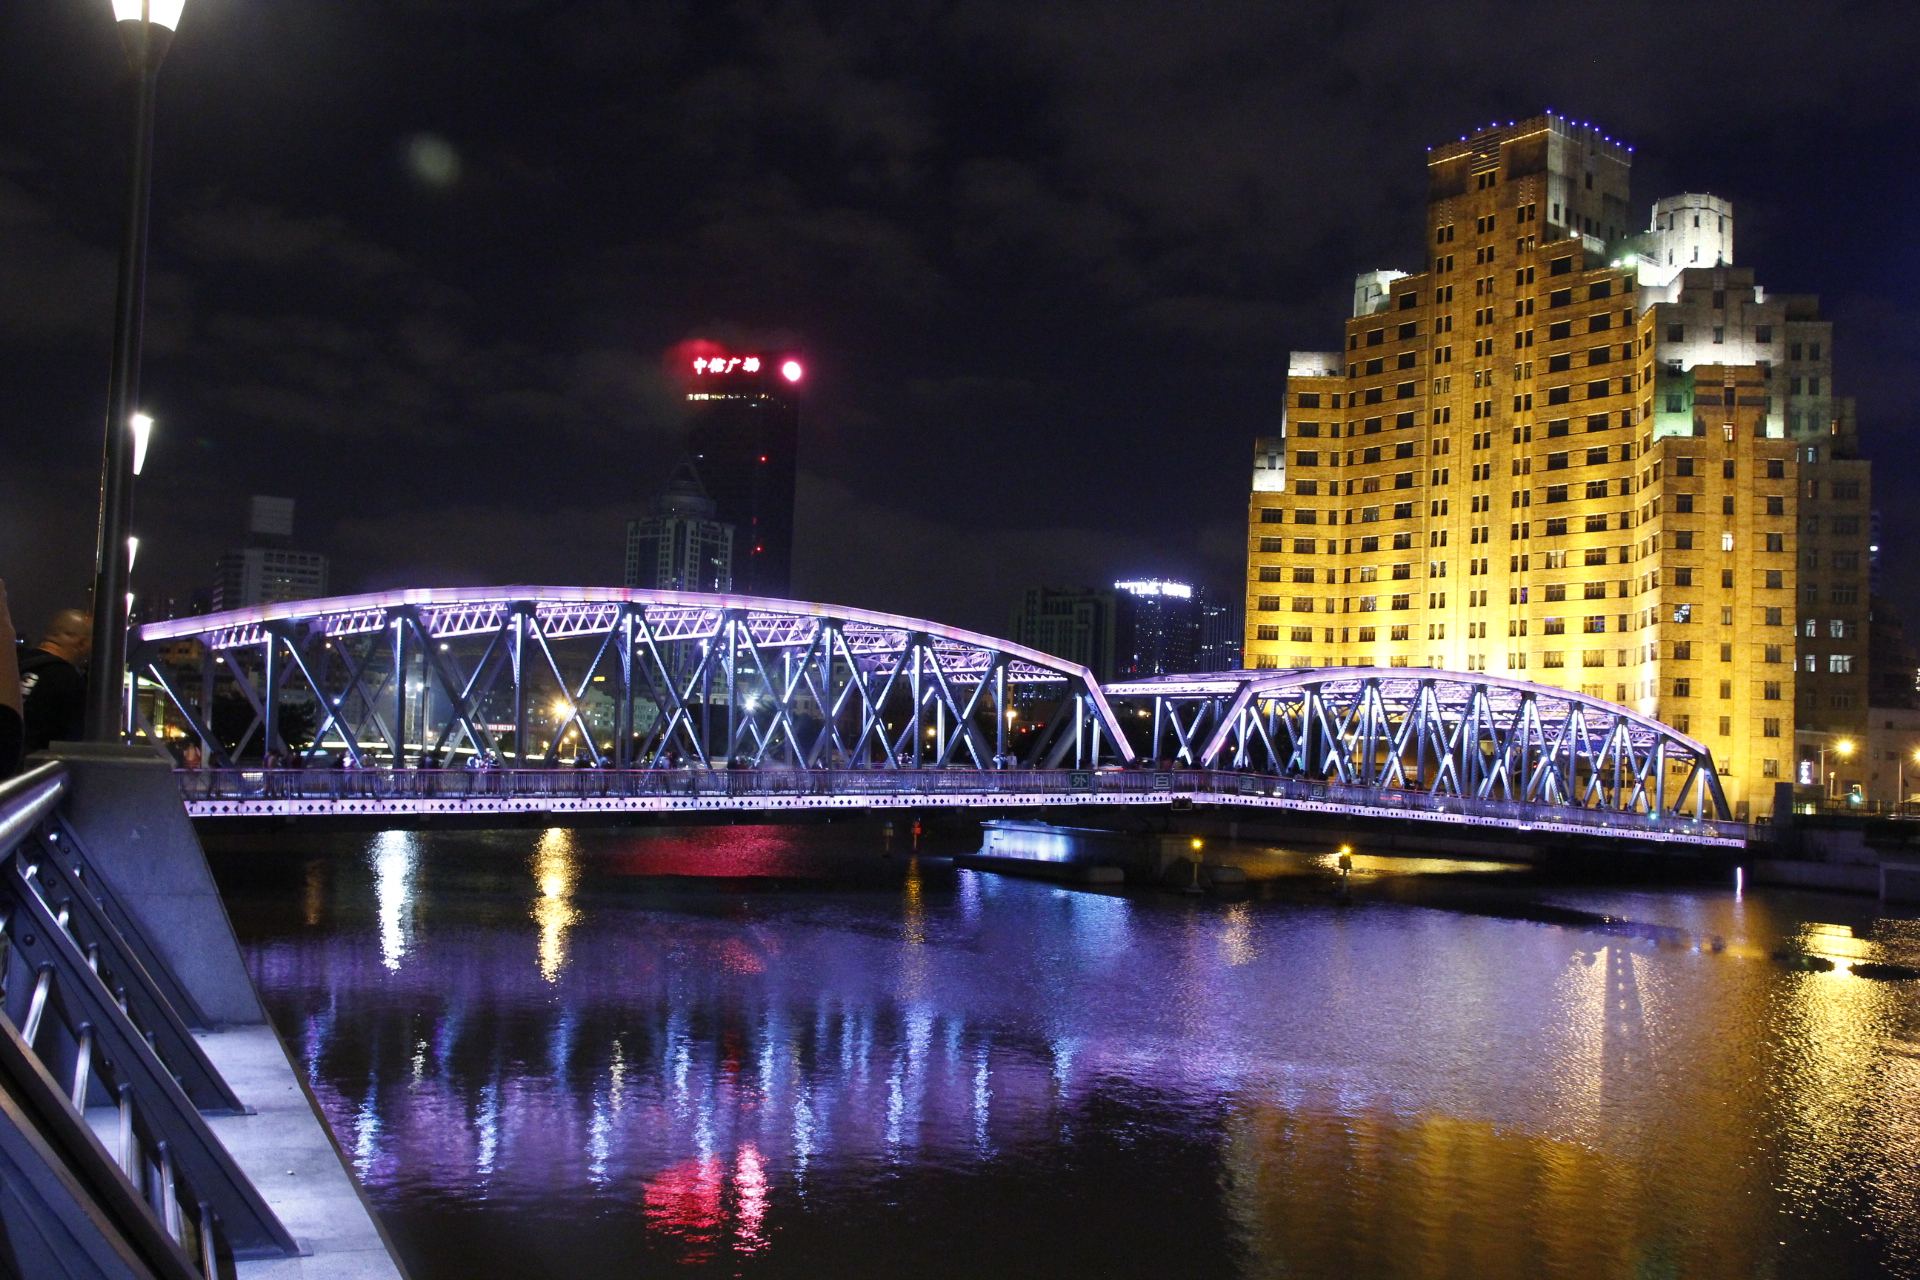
(1900, 881)
(284, 1147)
(125, 806)
(1841, 877)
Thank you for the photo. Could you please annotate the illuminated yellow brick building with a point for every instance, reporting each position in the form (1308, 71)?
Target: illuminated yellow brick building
(1577, 454)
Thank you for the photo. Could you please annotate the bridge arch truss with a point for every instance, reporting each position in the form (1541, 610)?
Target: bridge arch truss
(615, 678)
(1438, 733)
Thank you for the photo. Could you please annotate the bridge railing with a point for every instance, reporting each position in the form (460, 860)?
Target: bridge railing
(746, 785)
(95, 1039)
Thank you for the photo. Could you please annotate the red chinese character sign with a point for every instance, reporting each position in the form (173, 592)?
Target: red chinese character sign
(727, 364)
(702, 359)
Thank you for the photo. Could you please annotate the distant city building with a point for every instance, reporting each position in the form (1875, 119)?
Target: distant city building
(1141, 627)
(1075, 623)
(1219, 648)
(1156, 628)
(1893, 672)
(1892, 757)
(163, 605)
(268, 570)
(1579, 454)
(744, 438)
(681, 546)
(1873, 553)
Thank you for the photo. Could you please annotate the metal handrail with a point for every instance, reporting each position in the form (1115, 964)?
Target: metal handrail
(26, 801)
(83, 1023)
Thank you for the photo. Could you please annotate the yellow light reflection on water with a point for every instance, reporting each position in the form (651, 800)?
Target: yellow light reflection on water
(913, 932)
(555, 873)
(313, 898)
(1236, 937)
(1835, 1034)
(915, 929)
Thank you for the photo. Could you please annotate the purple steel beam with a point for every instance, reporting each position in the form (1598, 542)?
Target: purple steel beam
(362, 613)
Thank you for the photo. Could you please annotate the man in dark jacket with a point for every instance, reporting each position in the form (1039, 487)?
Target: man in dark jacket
(53, 690)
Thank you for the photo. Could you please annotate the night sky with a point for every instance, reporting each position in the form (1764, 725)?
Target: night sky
(415, 263)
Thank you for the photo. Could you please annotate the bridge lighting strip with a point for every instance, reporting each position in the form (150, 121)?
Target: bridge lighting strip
(274, 808)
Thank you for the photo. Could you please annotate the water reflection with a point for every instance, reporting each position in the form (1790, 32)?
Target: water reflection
(554, 876)
(811, 1081)
(395, 859)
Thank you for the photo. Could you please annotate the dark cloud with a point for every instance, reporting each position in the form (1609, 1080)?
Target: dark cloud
(54, 286)
(241, 234)
(1046, 260)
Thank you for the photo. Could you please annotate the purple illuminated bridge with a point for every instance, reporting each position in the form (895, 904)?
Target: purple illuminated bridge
(585, 699)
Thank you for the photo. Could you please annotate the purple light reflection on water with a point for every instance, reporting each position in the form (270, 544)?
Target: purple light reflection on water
(851, 1070)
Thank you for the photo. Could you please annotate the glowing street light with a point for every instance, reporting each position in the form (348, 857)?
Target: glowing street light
(142, 426)
(146, 31)
(161, 13)
(1843, 748)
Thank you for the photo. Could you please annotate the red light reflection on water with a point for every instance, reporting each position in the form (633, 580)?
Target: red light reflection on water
(708, 1207)
(684, 1201)
(737, 957)
(715, 852)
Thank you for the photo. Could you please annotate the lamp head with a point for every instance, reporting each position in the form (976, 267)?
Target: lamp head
(146, 30)
(161, 13)
(141, 425)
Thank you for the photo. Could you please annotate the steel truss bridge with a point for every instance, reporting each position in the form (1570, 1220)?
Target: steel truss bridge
(587, 699)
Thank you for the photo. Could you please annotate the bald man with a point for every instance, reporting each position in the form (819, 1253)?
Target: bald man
(51, 686)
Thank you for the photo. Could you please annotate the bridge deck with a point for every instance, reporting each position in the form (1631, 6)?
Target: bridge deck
(233, 793)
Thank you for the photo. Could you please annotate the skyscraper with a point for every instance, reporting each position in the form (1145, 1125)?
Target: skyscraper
(744, 437)
(1156, 628)
(1579, 454)
(681, 546)
(1219, 632)
(267, 570)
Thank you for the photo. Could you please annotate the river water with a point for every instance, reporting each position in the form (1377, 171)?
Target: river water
(778, 1052)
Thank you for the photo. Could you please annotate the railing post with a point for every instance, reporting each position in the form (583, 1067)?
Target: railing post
(919, 707)
(1000, 710)
(210, 743)
(733, 690)
(270, 704)
(398, 632)
(623, 720)
(518, 657)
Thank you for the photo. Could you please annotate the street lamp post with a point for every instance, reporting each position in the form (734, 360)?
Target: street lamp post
(1900, 780)
(146, 30)
(1842, 748)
